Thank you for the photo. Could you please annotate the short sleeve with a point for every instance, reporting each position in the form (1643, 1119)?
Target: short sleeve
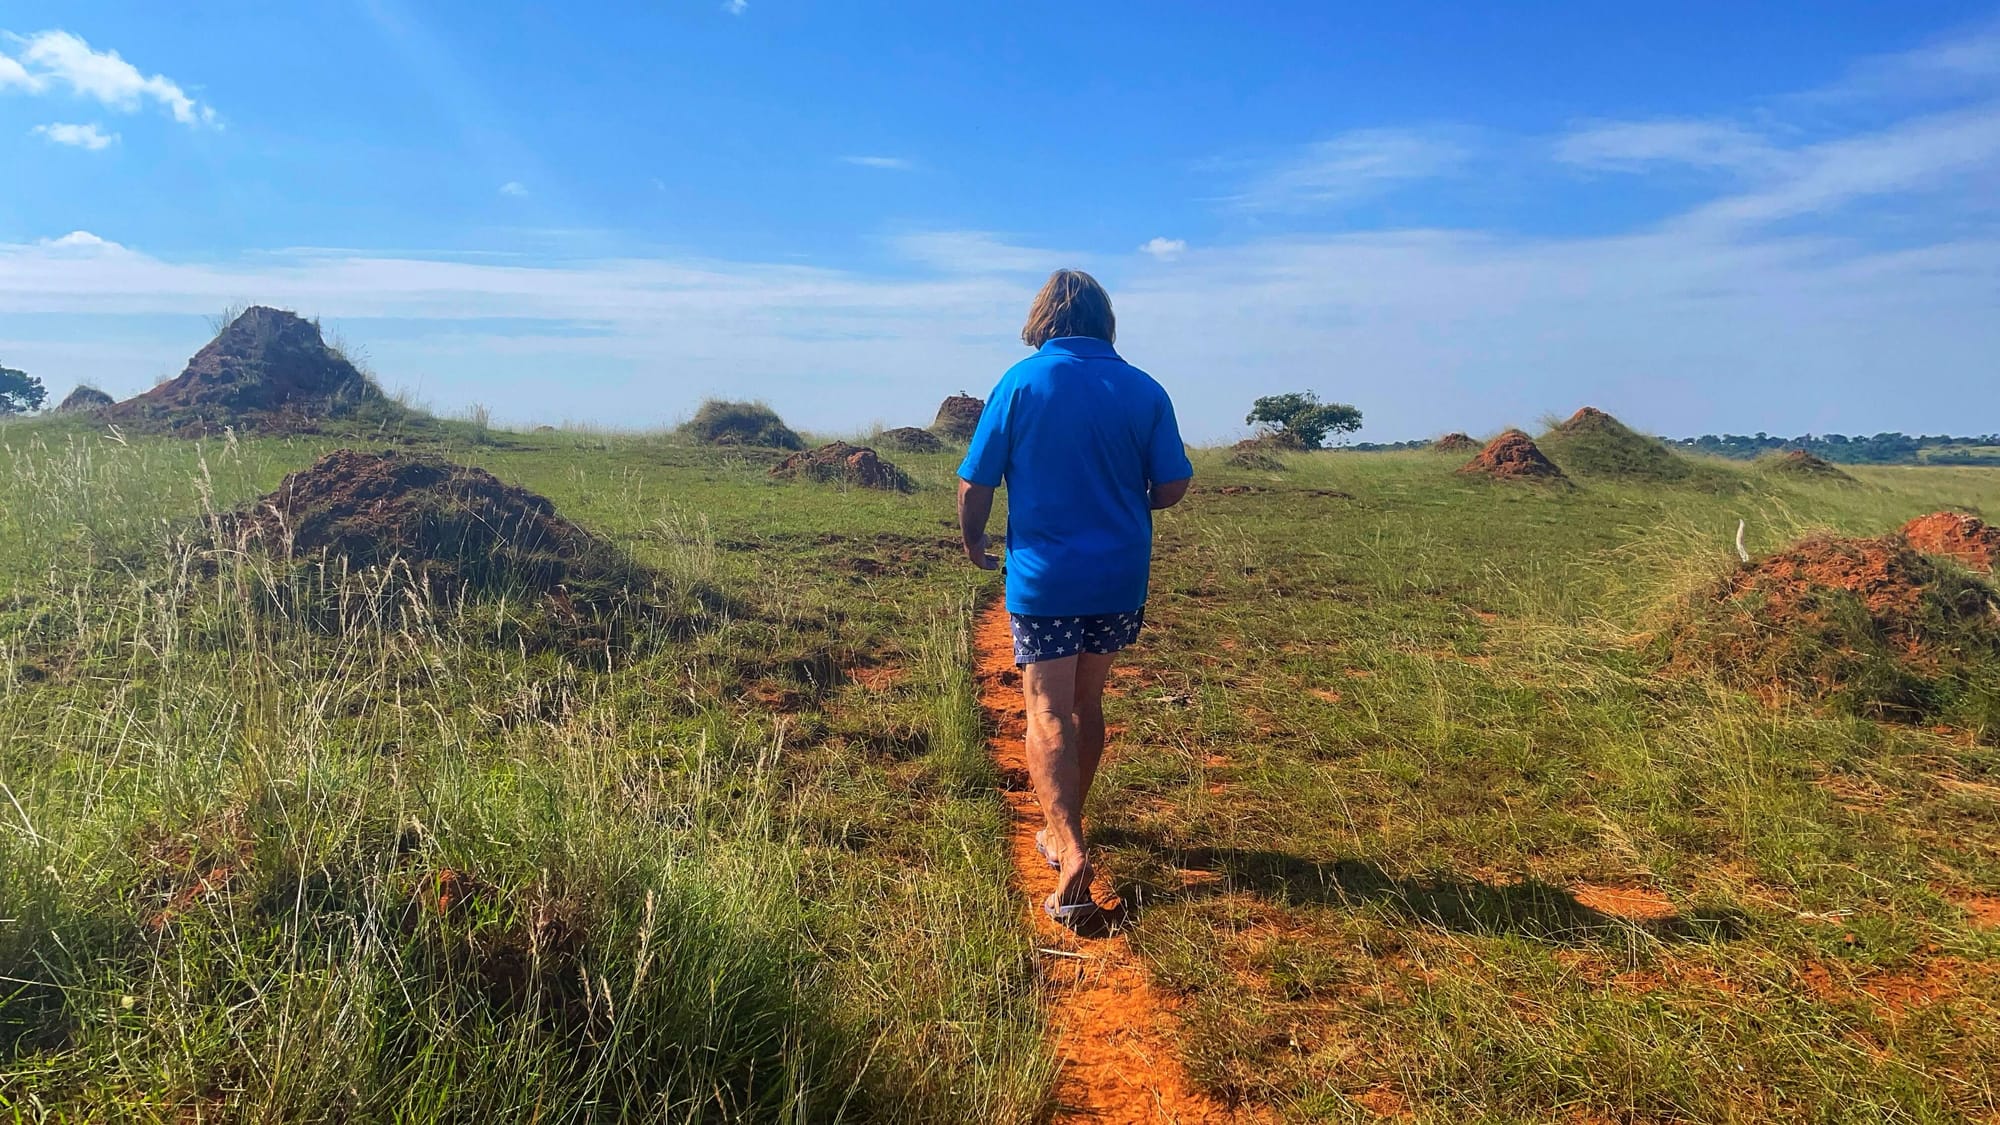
(986, 457)
(1166, 459)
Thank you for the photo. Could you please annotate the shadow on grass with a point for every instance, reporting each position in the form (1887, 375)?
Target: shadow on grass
(1448, 901)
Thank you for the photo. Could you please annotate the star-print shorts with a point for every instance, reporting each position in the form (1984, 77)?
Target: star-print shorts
(1052, 638)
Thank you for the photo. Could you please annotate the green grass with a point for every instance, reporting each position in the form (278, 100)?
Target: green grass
(256, 869)
(1374, 743)
(1387, 728)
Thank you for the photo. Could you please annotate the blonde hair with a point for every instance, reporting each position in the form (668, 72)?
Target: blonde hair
(1071, 304)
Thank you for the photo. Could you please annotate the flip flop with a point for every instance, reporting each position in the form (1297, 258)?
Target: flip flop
(1062, 915)
(1046, 854)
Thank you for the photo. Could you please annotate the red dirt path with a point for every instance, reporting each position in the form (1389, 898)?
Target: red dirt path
(1114, 1032)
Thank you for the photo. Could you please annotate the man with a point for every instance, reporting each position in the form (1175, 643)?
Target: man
(1088, 448)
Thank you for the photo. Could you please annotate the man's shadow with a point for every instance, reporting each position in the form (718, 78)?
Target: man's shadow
(1529, 908)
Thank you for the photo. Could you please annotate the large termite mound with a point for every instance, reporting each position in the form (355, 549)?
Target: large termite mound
(1591, 443)
(1513, 456)
(1454, 443)
(267, 370)
(1966, 538)
(1260, 453)
(909, 439)
(843, 463)
(718, 422)
(439, 530)
(83, 400)
(1872, 625)
(958, 417)
(1805, 466)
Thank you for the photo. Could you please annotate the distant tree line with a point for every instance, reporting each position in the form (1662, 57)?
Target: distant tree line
(1880, 449)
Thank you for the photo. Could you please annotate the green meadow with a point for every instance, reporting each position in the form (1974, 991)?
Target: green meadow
(1416, 813)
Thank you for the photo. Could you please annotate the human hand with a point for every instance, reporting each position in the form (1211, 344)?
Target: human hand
(976, 550)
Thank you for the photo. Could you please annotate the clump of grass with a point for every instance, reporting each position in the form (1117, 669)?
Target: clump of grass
(718, 422)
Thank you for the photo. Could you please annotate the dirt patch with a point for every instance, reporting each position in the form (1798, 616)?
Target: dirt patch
(83, 400)
(1869, 623)
(1957, 535)
(1261, 490)
(268, 370)
(1803, 465)
(1593, 443)
(1513, 456)
(843, 463)
(1634, 904)
(1897, 992)
(909, 439)
(1114, 1030)
(958, 417)
(1982, 910)
(1455, 443)
(876, 677)
(452, 527)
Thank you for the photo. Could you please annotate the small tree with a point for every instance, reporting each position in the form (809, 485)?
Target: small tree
(20, 392)
(1301, 419)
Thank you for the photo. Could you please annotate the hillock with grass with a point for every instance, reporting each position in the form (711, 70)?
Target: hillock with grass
(718, 422)
(1591, 443)
(266, 370)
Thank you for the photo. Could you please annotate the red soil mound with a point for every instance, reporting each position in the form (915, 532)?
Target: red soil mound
(839, 461)
(455, 526)
(1799, 463)
(957, 417)
(1454, 443)
(1590, 420)
(1962, 537)
(269, 369)
(1513, 456)
(1868, 623)
(909, 439)
(1887, 577)
(82, 400)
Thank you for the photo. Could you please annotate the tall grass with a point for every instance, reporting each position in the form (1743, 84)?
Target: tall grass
(257, 867)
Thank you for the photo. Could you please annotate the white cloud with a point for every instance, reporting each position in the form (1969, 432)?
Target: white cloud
(514, 188)
(1165, 249)
(886, 163)
(1937, 152)
(77, 136)
(736, 7)
(1632, 146)
(1685, 330)
(80, 243)
(1351, 167)
(13, 74)
(49, 57)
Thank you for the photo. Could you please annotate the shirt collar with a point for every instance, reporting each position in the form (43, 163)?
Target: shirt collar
(1080, 345)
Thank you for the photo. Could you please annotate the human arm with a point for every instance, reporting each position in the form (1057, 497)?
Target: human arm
(975, 507)
(1168, 470)
(985, 466)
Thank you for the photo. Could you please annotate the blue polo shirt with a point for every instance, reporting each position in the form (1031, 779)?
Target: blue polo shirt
(1078, 435)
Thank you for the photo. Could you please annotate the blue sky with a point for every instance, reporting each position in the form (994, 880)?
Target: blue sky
(1780, 217)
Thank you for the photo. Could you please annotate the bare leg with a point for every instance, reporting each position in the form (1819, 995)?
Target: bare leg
(1054, 768)
(1092, 669)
